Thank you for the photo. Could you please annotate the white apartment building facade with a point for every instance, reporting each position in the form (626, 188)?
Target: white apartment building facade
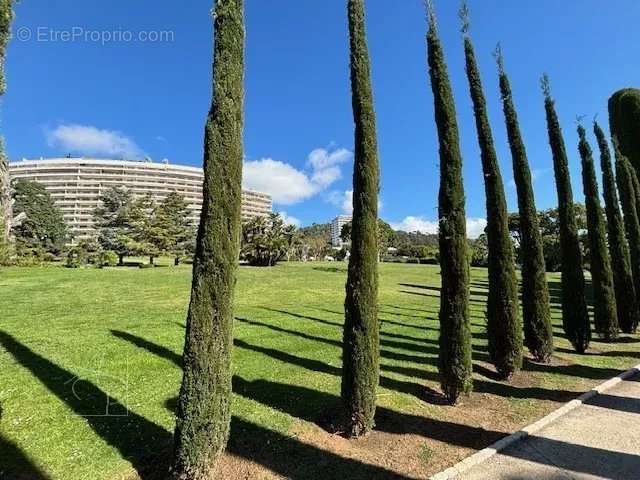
(76, 184)
(336, 229)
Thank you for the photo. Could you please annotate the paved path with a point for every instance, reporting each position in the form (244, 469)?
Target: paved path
(598, 440)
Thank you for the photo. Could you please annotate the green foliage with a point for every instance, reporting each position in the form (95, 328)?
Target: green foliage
(538, 332)
(605, 317)
(575, 316)
(322, 231)
(629, 207)
(360, 347)
(386, 235)
(43, 228)
(266, 241)
(115, 223)
(402, 239)
(107, 259)
(549, 230)
(624, 119)
(626, 299)
(504, 327)
(170, 231)
(203, 412)
(75, 258)
(455, 335)
(480, 252)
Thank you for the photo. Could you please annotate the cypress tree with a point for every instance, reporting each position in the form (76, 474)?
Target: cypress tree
(624, 179)
(626, 300)
(203, 412)
(624, 119)
(361, 350)
(455, 334)
(6, 17)
(536, 309)
(504, 328)
(636, 186)
(605, 316)
(575, 316)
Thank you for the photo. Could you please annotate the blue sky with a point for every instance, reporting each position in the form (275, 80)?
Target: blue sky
(117, 98)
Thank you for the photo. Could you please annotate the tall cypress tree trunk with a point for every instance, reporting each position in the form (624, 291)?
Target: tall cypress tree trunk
(575, 316)
(627, 199)
(6, 215)
(605, 311)
(536, 309)
(503, 322)
(626, 299)
(361, 350)
(455, 333)
(203, 413)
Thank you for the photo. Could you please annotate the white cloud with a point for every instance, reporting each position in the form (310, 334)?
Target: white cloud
(416, 224)
(321, 158)
(286, 184)
(89, 140)
(475, 226)
(344, 200)
(290, 220)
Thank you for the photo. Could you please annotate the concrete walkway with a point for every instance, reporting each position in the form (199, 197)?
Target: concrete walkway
(597, 440)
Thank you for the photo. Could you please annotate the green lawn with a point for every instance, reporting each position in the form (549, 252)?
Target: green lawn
(90, 370)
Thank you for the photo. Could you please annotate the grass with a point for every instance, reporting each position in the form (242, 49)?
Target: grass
(90, 363)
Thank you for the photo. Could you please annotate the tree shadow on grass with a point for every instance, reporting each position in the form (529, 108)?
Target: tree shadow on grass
(480, 293)
(145, 444)
(296, 460)
(276, 451)
(413, 347)
(322, 409)
(340, 325)
(330, 269)
(417, 390)
(15, 464)
(138, 440)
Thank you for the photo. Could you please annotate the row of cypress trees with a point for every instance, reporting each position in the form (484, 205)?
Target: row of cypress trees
(615, 297)
(504, 325)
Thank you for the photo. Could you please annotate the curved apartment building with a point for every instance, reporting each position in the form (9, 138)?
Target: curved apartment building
(75, 184)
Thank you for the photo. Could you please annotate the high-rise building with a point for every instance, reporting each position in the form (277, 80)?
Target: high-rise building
(75, 184)
(336, 229)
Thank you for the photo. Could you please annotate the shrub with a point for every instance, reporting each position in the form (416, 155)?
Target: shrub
(75, 258)
(107, 258)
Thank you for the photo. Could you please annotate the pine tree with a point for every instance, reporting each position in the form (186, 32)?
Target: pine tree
(361, 350)
(627, 200)
(605, 310)
(504, 327)
(455, 334)
(6, 214)
(575, 316)
(203, 411)
(624, 119)
(536, 309)
(626, 300)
